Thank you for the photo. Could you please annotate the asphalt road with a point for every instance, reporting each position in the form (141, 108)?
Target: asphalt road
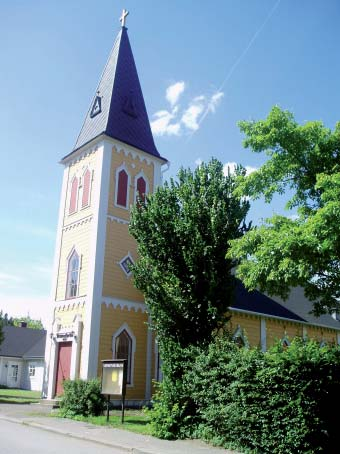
(20, 439)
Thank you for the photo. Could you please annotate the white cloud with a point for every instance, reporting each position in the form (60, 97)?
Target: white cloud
(215, 101)
(232, 167)
(198, 162)
(173, 92)
(190, 116)
(180, 121)
(161, 125)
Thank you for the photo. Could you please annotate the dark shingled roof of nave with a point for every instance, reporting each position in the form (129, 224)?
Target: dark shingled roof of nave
(122, 113)
(258, 302)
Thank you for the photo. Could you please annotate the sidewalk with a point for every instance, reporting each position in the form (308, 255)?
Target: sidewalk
(37, 415)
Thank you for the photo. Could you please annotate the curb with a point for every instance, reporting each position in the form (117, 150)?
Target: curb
(73, 435)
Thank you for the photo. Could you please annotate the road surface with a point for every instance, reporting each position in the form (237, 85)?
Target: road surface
(20, 439)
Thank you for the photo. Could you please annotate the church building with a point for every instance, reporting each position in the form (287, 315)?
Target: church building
(97, 312)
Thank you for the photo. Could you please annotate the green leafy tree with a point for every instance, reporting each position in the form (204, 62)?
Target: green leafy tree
(302, 250)
(181, 231)
(31, 323)
(4, 321)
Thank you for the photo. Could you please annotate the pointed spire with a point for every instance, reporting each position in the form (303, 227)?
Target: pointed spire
(118, 109)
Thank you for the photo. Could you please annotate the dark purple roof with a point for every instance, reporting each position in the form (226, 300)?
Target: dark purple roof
(118, 109)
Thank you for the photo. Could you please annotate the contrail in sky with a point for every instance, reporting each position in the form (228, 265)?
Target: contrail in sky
(239, 59)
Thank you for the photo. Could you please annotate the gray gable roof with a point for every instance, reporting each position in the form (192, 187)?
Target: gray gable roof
(118, 109)
(296, 308)
(23, 342)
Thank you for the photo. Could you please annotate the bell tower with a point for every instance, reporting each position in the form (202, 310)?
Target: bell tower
(97, 312)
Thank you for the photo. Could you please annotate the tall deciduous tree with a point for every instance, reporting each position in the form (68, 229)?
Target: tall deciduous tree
(181, 232)
(31, 323)
(301, 250)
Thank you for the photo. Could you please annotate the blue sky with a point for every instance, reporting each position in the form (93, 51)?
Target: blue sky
(52, 54)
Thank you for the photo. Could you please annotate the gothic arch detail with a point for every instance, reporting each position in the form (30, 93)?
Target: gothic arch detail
(141, 186)
(86, 188)
(73, 272)
(73, 195)
(122, 187)
(124, 347)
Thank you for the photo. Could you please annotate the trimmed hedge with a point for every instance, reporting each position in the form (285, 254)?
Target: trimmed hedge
(280, 401)
(82, 397)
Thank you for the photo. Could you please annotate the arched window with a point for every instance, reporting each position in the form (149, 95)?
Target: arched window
(72, 275)
(85, 201)
(141, 188)
(285, 342)
(122, 187)
(239, 338)
(123, 350)
(74, 195)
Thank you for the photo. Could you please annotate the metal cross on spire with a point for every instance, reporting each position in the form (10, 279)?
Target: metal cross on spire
(123, 17)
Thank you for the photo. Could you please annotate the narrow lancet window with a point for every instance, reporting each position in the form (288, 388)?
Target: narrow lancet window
(141, 188)
(72, 275)
(123, 350)
(74, 195)
(122, 188)
(86, 189)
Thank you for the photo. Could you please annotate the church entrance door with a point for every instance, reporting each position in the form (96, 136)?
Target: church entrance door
(63, 366)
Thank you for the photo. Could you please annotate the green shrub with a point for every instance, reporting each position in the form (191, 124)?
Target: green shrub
(82, 397)
(274, 402)
(173, 414)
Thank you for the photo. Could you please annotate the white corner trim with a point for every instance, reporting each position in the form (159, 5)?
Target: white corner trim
(148, 361)
(120, 303)
(304, 332)
(263, 334)
(100, 198)
(157, 175)
(126, 327)
(123, 166)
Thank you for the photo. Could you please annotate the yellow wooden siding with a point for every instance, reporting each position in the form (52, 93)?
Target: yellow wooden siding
(77, 169)
(250, 324)
(321, 334)
(78, 237)
(111, 320)
(115, 282)
(134, 166)
(278, 329)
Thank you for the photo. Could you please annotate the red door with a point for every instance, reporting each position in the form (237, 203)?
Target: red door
(64, 365)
